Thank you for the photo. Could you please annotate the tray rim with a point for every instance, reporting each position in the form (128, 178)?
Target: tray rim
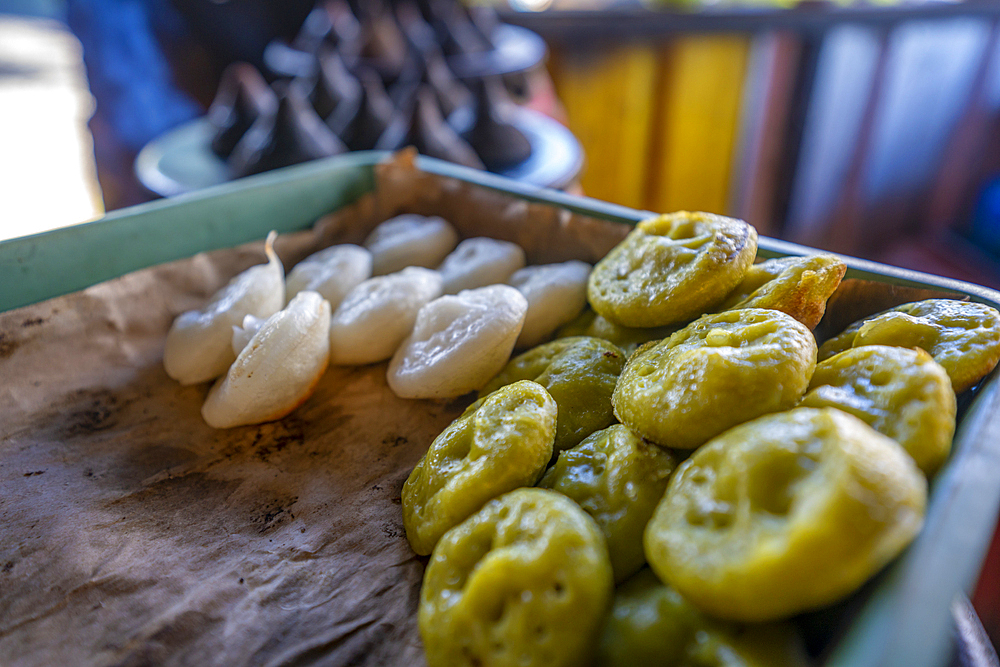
(965, 496)
(131, 222)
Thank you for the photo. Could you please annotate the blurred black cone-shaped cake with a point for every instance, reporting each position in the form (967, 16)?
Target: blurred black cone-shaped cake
(456, 32)
(425, 129)
(294, 134)
(453, 96)
(243, 97)
(336, 94)
(384, 48)
(494, 136)
(375, 111)
(364, 74)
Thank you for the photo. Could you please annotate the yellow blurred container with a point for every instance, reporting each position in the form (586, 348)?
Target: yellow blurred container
(658, 122)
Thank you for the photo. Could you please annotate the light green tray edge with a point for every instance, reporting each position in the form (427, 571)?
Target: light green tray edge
(906, 622)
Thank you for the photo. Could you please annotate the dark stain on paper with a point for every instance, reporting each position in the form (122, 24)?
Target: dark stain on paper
(8, 345)
(275, 513)
(395, 441)
(99, 412)
(277, 436)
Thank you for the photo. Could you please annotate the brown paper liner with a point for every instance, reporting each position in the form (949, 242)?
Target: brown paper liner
(135, 534)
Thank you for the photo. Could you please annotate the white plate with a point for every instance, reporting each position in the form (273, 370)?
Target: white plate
(182, 160)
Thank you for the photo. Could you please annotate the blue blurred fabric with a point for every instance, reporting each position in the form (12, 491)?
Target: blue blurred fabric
(986, 218)
(128, 73)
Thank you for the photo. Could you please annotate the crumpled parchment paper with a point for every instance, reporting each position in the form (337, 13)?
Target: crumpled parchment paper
(134, 534)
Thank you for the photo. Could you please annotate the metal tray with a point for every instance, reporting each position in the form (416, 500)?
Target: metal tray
(905, 615)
